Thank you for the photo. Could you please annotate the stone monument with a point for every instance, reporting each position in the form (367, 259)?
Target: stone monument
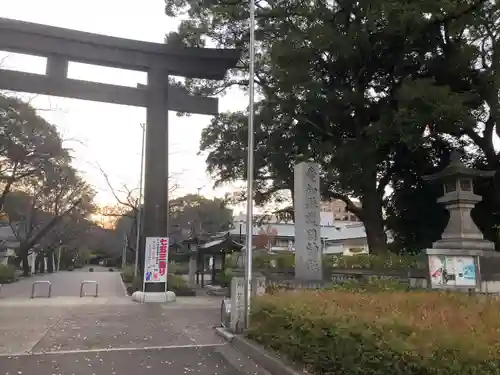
(461, 258)
(308, 250)
(237, 301)
(237, 304)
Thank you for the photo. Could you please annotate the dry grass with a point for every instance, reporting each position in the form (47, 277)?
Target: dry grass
(416, 322)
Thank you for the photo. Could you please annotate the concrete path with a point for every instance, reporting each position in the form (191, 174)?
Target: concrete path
(67, 284)
(115, 336)
(214, 360)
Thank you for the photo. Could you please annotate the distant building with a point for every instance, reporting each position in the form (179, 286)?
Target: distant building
(337, 236)
(337, 210)
(8, 243)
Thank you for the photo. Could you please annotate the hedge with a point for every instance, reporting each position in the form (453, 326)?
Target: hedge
(7, 274)
(410, 333)
(128, 274)
(377, 262)
(285, 261)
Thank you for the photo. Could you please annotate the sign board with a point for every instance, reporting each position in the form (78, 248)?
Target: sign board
(458, 271)
(156, 259)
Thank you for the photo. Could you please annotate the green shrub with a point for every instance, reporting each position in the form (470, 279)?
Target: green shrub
(179, 286)
(128, 274)
(417, 333)
(176, 282)
(178, 268)
(276, 262)
(372, 284)
(224, 278)
(137, 283)
(262, 260)
(285, 261)
(7, 274)
(376, 262)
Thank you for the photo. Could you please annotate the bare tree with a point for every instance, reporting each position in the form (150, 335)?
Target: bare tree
(127, 209)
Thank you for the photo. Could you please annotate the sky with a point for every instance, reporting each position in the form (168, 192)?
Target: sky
(104, 135)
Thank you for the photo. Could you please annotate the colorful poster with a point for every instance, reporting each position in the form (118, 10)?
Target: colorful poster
(156, 259)
(465, 270)
(436, 269)
(452, 270)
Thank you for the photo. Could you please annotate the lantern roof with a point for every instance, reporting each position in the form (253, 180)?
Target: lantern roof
(457, 169)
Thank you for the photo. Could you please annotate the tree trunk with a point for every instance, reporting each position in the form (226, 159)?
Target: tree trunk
(374, 224)
(26, 266)
(37, 264)
(41, 262)
(50, 261)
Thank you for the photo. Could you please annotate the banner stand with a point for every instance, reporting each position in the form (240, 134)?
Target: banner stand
(156, 263)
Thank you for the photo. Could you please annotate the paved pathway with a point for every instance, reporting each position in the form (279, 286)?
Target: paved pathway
(67, 284)
(112, 335)
(214, 360)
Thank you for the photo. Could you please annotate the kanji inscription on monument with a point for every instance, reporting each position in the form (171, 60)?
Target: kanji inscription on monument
(308, 249)
(237, 304)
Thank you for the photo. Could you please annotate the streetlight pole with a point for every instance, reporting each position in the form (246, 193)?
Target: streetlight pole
(139, 208)
(249, 223)
(124, 251)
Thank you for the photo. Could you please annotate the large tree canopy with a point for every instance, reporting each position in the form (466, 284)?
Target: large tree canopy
(196, 214)
(359, 87)
(29, 145)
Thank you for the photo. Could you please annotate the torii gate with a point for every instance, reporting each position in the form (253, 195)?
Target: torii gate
(61, 45)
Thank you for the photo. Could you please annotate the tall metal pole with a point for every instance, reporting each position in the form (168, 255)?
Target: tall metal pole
(124, 251)
(249, 222)
(59, 258)
(139, 209)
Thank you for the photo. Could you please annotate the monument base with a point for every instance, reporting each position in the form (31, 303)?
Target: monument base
(154, 287)
(464, 243)
(154, 297)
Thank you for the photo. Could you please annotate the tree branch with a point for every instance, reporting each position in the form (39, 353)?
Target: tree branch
(51, 224)
(329, 194)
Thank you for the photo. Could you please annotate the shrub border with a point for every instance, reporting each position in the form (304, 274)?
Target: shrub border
(263, 357)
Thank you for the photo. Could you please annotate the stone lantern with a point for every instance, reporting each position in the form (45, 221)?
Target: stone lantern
(459, 258)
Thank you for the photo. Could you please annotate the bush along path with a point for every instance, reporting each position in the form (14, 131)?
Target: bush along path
(381, 332)
(7, 274)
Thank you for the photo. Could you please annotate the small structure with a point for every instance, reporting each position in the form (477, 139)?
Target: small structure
(192, 251)
(216, 249)
(8, 243)
(462, 258)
